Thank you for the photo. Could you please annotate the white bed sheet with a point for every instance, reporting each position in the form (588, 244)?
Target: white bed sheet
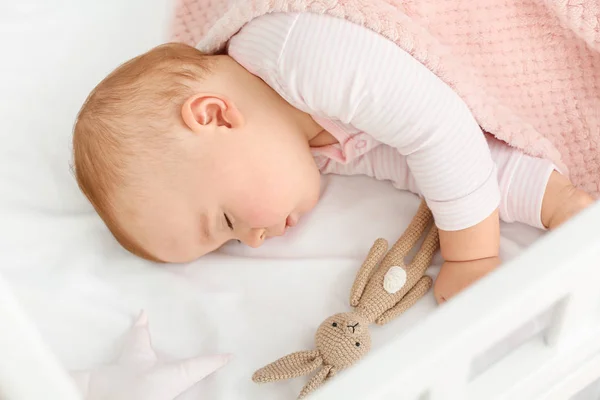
(82, 290)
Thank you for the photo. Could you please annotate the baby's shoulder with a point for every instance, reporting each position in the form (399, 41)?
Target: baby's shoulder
(259, 44)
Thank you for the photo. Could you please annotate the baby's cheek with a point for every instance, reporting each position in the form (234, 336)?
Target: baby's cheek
(264, 211)
(266, 197)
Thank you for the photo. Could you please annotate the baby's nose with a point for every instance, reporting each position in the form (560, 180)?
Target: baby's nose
(255, 237)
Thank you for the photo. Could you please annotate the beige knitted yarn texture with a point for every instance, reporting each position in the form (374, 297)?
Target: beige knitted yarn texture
(384, 288)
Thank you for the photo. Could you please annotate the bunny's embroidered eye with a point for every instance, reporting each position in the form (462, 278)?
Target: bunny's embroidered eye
(357, 344)
(334, 324)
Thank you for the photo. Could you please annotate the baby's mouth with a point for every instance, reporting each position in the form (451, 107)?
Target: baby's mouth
(290, 222)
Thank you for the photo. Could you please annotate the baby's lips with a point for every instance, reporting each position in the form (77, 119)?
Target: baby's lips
(291, 221)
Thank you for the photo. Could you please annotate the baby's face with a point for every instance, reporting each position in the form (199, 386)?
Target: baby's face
(233, 186)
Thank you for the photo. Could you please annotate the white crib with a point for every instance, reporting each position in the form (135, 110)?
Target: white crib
(548, 296)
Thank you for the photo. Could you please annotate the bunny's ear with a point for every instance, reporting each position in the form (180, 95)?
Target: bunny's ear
(325, 372)
(290, 366)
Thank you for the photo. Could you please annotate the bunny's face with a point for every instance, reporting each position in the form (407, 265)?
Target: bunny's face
(343, 339)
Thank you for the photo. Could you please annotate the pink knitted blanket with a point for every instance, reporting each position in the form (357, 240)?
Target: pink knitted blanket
(528, 69)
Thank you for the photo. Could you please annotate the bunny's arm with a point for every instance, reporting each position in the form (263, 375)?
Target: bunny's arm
(422, 260)
(413, 232)
(411, 297)
(375, 255)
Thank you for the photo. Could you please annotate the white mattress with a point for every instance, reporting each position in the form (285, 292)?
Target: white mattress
(82, 289)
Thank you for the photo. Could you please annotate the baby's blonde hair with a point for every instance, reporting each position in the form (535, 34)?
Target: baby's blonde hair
(128, 116)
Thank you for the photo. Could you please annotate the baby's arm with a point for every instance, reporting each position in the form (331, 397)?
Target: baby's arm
(332, 68)
(360, 78)
(474, 243)
(469, 254)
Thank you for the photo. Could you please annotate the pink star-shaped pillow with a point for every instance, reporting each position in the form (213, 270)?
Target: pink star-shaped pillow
(138, 374)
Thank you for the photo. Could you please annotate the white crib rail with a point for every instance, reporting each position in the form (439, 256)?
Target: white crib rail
(558, 276)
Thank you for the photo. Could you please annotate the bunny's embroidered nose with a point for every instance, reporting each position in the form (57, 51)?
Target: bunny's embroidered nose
(352, 327)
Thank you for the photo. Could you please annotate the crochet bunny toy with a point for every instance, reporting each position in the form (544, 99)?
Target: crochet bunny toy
(384, 288)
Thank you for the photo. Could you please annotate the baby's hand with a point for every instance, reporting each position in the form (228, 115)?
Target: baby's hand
(456, 276)
(469, 254)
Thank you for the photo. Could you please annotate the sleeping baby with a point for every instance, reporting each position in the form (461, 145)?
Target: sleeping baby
(180, 152)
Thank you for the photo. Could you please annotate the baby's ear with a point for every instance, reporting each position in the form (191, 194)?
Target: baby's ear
(290, 366)
(205, 109)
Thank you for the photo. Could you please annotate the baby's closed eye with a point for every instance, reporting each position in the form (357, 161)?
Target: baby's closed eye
(228, 221)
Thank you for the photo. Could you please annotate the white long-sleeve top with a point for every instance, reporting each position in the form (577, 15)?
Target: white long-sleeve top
(394, 119)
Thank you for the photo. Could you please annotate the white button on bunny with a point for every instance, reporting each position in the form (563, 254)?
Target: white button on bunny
(394, 279)
(139, 375)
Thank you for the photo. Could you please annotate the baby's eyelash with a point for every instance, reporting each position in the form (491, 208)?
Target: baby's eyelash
(229, 224)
